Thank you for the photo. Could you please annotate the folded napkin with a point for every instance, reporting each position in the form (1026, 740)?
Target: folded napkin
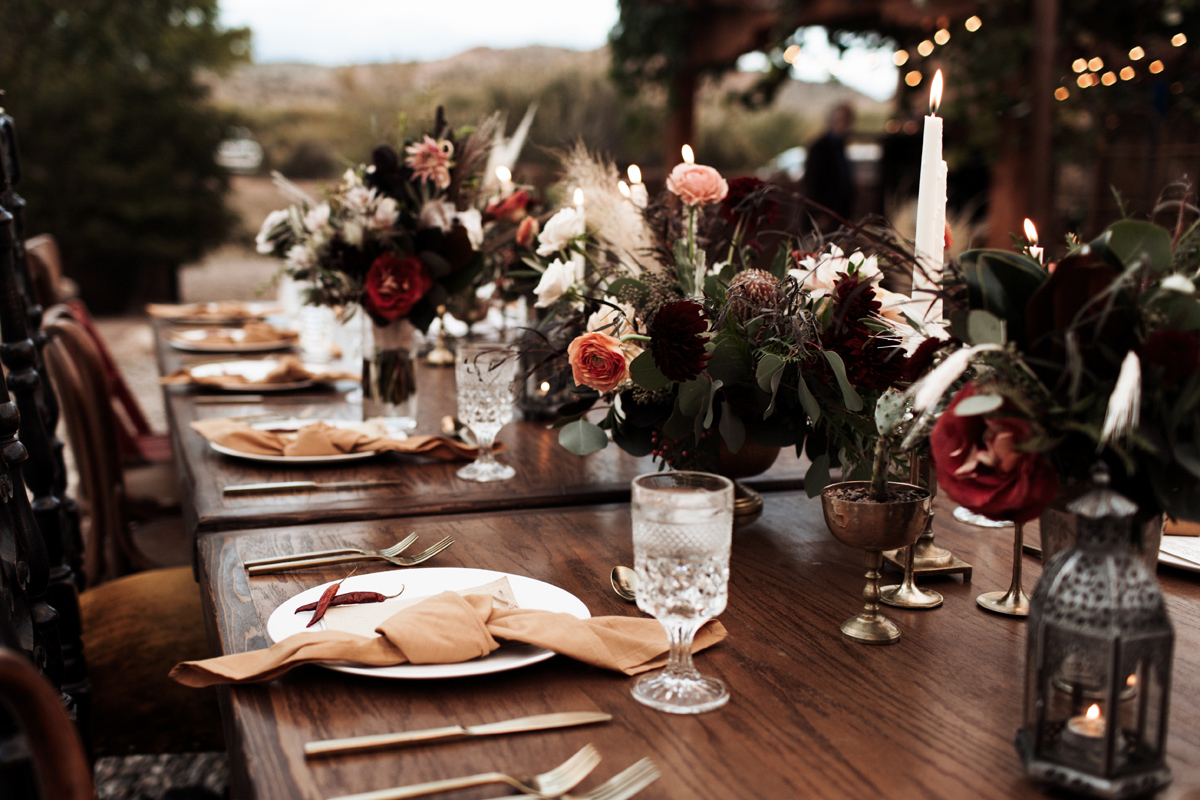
(289, 369)
(322, 439)
(252, 333)
(449, 628)
(226, 309)
(1182, 527)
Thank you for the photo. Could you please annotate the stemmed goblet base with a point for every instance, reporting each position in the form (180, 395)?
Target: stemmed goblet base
(687, 694)
(486, 473)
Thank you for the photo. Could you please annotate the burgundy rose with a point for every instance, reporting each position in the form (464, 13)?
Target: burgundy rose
(394, 285)
(675, 340)
(1176, 352)
(980, 465)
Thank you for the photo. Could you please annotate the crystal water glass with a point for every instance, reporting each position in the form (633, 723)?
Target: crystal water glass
(485, 378)
(682, 532)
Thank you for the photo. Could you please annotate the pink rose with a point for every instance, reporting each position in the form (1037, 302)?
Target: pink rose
(697, 185)
(598, 361)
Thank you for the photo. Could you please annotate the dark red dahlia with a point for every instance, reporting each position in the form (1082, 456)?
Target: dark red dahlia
(676, 339)
(751, 202)
(874, 361)
(922, 358)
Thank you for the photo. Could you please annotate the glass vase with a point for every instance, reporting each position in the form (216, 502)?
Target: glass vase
(389, 376)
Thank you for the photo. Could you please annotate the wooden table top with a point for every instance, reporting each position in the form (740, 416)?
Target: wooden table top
(812, 715)
(547, 474)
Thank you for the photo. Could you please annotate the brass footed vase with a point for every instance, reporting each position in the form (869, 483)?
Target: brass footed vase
(874, 527)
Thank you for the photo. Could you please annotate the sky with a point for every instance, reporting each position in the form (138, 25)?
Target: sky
(334, 32)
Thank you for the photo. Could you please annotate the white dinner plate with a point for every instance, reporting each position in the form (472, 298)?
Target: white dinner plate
(1188, 546)
(208, 314)
(295, 425)
(252, 371)
(201, 341)
(424, 582)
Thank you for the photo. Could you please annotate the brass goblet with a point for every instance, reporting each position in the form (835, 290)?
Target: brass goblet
(874, 527)
(1014, 602)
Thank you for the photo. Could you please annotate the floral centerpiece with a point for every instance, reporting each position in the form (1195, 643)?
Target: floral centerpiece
(1095, 358)
(398, 237)
(696, 333)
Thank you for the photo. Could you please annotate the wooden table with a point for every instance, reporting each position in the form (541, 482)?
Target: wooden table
(547, 475)
(812, 715)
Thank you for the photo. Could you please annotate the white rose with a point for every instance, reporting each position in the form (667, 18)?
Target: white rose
(352, 232)
(385, 214)
(558, 278)
(560, 229)
(301, 257)
(436, 214)
(358, 200)
(472, 220)
(317, 219)
(263, 241)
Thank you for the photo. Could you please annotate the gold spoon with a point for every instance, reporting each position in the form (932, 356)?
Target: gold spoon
(624, 582)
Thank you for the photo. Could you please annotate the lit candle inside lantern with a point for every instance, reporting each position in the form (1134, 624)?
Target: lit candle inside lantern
(1031, 235)
(504, 175)
(931, 212)
(688, 155)
(544, 388)
(637, 190)
(1090, 725)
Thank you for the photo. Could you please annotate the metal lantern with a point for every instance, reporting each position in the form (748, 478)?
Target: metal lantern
(1098, 670)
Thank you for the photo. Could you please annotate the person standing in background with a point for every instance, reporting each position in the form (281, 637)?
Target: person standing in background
(828, 179)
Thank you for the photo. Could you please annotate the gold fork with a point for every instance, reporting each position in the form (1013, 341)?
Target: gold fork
(556, 782)
(621, 786)
(395, 550)
(399, 561)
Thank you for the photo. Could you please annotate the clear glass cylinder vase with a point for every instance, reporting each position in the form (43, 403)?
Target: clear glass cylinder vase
(389, 376)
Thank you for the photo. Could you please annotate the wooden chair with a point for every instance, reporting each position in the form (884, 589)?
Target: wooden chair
(60, 768)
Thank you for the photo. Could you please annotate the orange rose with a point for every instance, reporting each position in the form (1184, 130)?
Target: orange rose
(697, 185)
(598, 361)
(527, 231)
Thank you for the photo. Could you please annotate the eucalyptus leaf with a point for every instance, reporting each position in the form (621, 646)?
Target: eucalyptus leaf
(730, 363)
(984, 327)
(692, 394)
(582, 437)
(646, 374)
(849, 397)
(775, 379)
(978, 404)
(1137, 242)
(1002, 283)
(731, 428)
(678, 425)
(817, 477)
(633, 440)
(768, 366)
(708, 405)
(807, 401)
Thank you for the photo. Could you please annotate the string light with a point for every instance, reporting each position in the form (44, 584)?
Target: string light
(900, 58)
(913, 78)
(973, 24)
(1084, 81)
(791, 54)
(1096, 64)
(942, 36)
(925, 47)
(1176, 88)
(1179, 40)
(1109, 78)
(1137, 54)
(1079, 65)
(910, 127)
(892, 126)
(1156, 67)
(1061, 93)
(1127, 73)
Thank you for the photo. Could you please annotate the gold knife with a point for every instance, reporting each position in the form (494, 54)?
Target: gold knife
(541, 722)
(283, 486)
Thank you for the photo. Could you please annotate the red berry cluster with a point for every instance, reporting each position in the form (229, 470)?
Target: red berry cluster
(686, 453)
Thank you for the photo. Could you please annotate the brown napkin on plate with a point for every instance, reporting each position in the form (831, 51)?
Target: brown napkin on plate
(226, 309)
(289, 369)
(449, 628)
(321, 439)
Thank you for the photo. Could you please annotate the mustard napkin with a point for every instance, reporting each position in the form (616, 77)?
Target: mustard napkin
(449, 628)
(1182, 527)
(289, 369)
(322, 439)
(226, 309)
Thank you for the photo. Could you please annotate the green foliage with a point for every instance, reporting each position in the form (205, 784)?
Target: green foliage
(116, 136)
(582, 437)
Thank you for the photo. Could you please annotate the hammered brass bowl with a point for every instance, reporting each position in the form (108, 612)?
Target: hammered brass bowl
(874, 527)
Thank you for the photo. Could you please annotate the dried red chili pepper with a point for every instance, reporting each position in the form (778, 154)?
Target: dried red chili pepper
(323, 604)
(352, 598)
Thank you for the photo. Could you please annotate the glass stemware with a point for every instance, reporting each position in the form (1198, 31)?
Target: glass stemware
(484, 377)
(682, 532)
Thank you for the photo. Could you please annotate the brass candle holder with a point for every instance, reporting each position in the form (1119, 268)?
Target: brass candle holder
(1013, 602)
(874, 527)
(440, 355)
(907, 594)
(929, 558)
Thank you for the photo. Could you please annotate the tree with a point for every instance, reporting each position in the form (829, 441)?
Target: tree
(117, 140)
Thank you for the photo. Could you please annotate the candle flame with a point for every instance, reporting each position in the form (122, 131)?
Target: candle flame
(1030, 231)
(503, 173)
(545, 387)
(578, 196)
(688, 155)
(1131, 680)
(1093, 711)
(635, 173)
(623, 187)
(935, 93)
